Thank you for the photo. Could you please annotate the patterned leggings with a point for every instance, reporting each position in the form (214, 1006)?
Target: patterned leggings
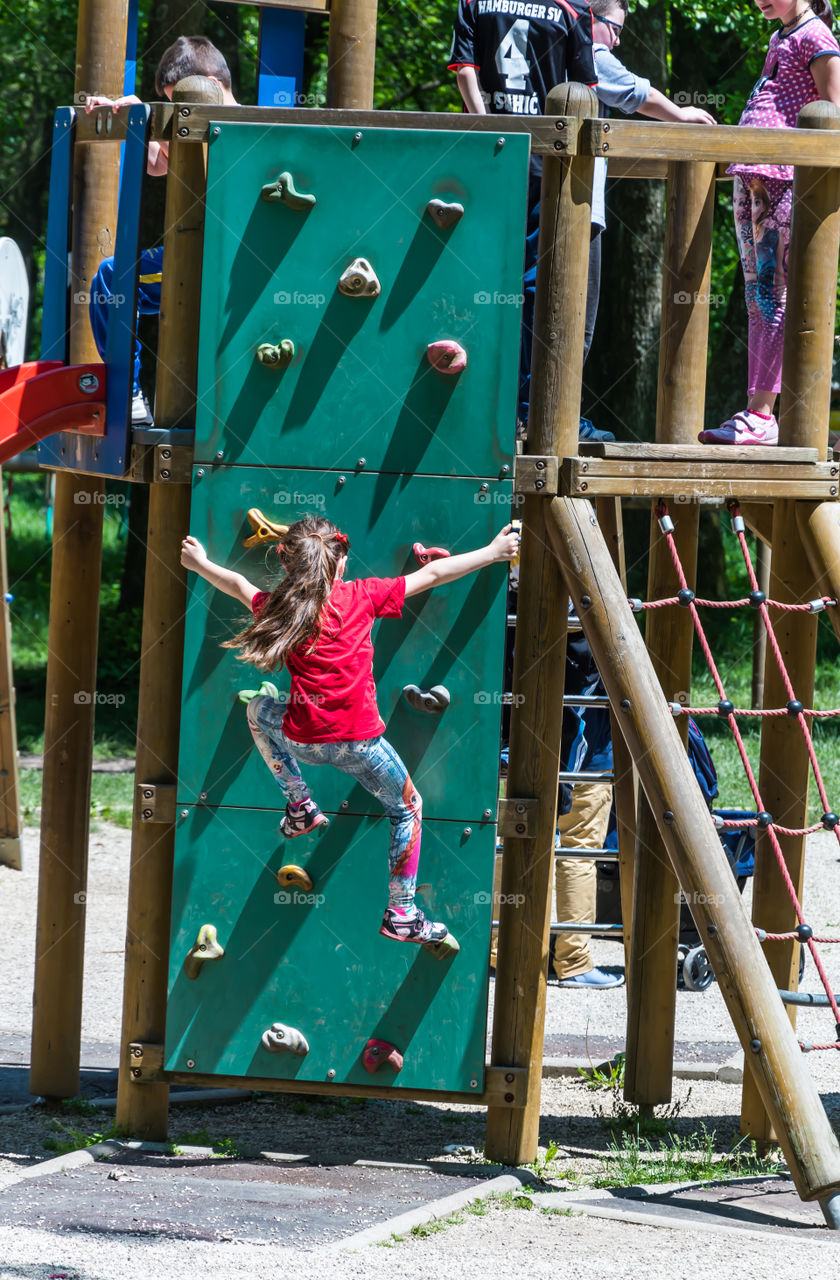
(373, 762)
(762, 226)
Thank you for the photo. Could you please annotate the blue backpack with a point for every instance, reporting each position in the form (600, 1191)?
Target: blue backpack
(702, 762)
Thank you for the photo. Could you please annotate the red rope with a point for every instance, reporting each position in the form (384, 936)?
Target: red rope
(750, 712)
(739, 604)
(772, 828)
(791, 937)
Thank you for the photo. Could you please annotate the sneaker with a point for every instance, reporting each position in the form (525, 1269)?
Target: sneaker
(589, 432)
(141, 414)
(743, 428)
(300, 819)
(416, 928)
(594, 979)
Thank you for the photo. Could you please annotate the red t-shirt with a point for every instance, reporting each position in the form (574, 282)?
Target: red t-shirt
(333, 697)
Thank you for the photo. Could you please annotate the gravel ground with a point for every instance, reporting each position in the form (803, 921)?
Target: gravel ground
(336, 1130)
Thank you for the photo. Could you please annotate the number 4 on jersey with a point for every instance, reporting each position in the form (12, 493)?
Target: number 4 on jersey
(511, 62)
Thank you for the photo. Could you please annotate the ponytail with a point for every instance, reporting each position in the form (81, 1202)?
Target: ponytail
(292, 615)
(823, 9)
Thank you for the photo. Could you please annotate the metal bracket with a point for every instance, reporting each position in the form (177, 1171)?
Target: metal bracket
(156, 801)
(505, 1087)
(518, 818)
(145, 1063)
(534, 475)
(160, 463)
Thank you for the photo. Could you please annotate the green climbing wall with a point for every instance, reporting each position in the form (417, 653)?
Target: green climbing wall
(360, 427)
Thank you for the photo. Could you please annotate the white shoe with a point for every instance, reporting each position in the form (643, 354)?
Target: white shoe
(141, 414)
(743, 428)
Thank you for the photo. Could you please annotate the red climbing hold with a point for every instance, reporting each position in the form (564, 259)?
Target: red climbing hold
(377, 1052)
(447, 356)
(424, 554)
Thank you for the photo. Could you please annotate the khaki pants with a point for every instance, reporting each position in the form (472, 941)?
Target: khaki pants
(576, 882)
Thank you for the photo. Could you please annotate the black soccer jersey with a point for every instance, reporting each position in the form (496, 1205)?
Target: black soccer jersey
(522, 49)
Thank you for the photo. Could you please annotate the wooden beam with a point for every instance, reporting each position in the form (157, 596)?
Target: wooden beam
(700, 142)
(669, 633)
(540, 652)
(74, 615)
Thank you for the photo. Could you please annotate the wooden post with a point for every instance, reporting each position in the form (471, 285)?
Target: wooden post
(803, 420)
(74, 612)
(351, 54)
(142, 1111)
(652, 974)
(540, 655)
(819, 528)
(746, 984)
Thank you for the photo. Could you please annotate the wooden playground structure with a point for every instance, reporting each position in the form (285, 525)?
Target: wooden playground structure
(571, 547)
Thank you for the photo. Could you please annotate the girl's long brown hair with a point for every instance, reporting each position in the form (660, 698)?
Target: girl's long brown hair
(293, 613)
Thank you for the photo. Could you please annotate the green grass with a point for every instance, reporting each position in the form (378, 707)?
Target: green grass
(635, 1160)
(111, 797)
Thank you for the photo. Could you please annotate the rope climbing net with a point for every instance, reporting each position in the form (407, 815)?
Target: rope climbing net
(725, 710)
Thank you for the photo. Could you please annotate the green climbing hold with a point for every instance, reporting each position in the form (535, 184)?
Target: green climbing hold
(283, 190)
(266, 689)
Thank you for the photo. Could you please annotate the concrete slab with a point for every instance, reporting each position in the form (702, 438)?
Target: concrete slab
(196, 1198)
(755, 1206)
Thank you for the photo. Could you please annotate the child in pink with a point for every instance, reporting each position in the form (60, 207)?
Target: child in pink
(801, 66)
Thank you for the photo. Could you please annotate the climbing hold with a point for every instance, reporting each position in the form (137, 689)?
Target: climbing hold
(378, 1052)
(266, 690)
(264, 530)
(291, 874)
(276, 357)
(359, 280)
(445, 215)
(205, 947)
(279, 1038)
(283, 190)
(434, 700)
(444, 949)
(424, 554)
(446, 356)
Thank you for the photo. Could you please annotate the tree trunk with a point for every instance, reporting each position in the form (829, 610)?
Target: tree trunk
(621, 372)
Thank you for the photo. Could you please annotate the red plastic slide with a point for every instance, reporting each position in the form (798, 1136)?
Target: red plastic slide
(44, 396)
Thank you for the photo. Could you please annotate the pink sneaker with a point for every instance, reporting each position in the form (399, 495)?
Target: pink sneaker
(743, 428)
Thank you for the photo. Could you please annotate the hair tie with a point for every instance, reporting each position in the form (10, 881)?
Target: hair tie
(342, 540)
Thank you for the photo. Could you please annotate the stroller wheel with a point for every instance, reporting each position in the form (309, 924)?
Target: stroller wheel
(697, 972)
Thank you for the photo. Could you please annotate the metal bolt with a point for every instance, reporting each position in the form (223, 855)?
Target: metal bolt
(605, 146)
(584, 466)
(166, 453)
(487, 815)
(190, 1063)
(200, 471)
(164, 475)
(147, 813)
(521, 828)
(508, 1097)
(184, 111)
(203, 795)
(509, 1077)
(482, 488)
(540, 465)
(712, 930)
(331, 1072)
(183, 133)
(345, 804)
(539, 484)
(585, 602)
(668, 816)
(342, 480)
(361, 463)
(185, 813)
(216, 132)
(505, 469)
(584, 486)
(467, 831)
(833, 490)
(137, 1052)
(473, 1084)
(500, 142)
(755, 1045)
(220, 453)
(559, 146)
(559, 126)
(607, 128)
(136, 1073)
(148, 793)
(520, 808)
(357, 137)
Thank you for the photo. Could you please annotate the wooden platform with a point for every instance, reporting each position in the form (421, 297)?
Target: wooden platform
(695, 473)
